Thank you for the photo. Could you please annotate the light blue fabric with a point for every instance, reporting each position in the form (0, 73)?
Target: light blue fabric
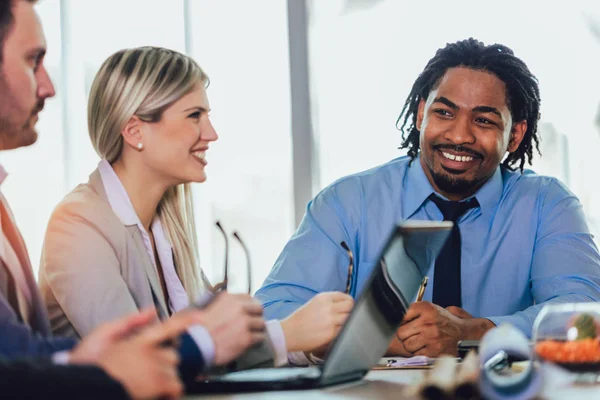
(526, 245)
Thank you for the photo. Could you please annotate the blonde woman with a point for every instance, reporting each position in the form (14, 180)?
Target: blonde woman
(126, 239)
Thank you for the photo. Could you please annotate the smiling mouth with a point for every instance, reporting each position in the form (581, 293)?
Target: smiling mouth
(457, 162)
(458, 158)
(200, 156)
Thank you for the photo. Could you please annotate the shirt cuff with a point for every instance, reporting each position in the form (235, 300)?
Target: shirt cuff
(204, 342)
(298, 358)
(277, 337)
(514, 320)
(61, 357)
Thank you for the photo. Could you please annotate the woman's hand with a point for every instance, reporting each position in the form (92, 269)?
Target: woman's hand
(317, 323)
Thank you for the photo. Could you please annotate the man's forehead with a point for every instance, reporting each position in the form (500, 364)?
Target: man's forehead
(27, 32)
(469, 88)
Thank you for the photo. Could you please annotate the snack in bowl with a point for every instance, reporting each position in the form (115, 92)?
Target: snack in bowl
(580, 348)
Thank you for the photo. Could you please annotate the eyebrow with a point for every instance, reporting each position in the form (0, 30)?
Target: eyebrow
(445, 101)
(487, 109)
(38, 52)
(481, 109)
(198, 108)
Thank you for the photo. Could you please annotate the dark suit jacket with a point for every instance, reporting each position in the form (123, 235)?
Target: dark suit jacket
(18, 340)
(40, 379)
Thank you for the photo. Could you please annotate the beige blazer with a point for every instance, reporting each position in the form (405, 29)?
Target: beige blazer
(94, 269)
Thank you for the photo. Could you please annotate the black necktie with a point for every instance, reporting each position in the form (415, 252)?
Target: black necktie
(446, 282)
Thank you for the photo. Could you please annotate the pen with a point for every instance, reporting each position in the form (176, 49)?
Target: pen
(350, 267)
(421, 291)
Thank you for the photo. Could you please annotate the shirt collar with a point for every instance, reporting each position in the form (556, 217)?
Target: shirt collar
(417, 188)
(3, 174)
(490, 193)
(117, 195)
(121, 205)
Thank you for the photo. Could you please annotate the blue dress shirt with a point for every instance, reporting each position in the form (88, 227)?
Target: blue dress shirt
(527, 245)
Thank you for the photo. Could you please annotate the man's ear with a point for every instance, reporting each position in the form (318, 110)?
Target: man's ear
(420, 114)
(131, 133)
(517, 134)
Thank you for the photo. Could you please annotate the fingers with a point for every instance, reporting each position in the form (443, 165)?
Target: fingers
(340, 319)
(129, 324)
(414, 343)
(458, 312)
(167, 356)
(175, 390)
(339, 297)
(416, 310)
(172, 386)
(166, 361)
(170, 329)
(254, 308)
(257, 337)
(409, 329)
(396, 348)
(145, 318)
(257, 325)
(343, 306)
(248, 304)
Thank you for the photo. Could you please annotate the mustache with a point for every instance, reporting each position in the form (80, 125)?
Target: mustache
(38, 107)
(458, 149)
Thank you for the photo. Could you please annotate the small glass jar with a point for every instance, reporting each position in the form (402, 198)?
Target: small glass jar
(568, 335)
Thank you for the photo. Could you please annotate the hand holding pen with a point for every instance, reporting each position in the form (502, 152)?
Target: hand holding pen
(421, 291)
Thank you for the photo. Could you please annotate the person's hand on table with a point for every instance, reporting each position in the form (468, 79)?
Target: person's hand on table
(235, 323)
(313, 326)
(430, 330)
(133, 351)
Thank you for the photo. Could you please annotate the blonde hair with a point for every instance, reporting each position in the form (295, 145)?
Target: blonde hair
(145, 81)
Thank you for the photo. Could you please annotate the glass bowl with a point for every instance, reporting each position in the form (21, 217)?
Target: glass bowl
(568, 335)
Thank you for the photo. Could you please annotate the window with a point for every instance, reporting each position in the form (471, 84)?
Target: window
(249, 188)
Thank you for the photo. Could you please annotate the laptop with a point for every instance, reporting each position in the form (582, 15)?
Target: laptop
(364, 339)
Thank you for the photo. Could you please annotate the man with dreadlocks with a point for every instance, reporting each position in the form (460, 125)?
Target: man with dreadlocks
(520, 240)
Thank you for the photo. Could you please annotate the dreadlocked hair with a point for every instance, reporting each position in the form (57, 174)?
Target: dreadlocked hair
(522, 92)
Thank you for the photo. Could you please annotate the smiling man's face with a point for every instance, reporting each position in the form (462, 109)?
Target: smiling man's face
(466, 129)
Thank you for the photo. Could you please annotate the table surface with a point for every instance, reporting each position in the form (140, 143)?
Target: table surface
(390, 384)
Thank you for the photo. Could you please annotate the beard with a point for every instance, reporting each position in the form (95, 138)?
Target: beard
(15, 133)
(13, 136)
(448, 180)
(450, 183)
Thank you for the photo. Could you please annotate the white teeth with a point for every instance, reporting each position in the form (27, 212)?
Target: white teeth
(449, 156)
(199, 155)
(457, 158)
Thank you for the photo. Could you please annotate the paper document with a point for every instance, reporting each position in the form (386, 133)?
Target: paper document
(404, 362)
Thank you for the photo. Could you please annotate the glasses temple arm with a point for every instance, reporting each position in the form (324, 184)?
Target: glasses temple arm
(226, 274)
(248, 262)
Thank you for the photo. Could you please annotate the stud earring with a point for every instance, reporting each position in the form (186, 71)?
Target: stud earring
(140, 146)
